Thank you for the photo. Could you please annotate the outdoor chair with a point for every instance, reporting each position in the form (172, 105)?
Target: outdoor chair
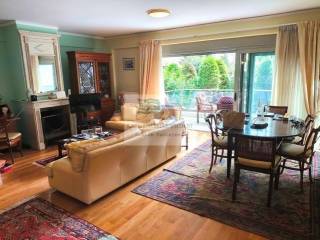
(203, 106)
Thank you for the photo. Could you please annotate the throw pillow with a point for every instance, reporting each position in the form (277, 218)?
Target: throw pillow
(145, 117)
(129, 113)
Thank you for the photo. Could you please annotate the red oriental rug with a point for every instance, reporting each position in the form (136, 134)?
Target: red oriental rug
(188, 185)
(39, 219)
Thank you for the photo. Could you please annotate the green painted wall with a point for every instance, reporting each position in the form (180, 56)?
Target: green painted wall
(11, 61)
(4, 73)
(77, 43)
(12, 77)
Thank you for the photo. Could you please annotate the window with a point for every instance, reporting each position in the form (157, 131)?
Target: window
(187, 76)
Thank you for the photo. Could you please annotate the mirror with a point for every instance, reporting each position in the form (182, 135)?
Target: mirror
(42, 61)
(46, 76)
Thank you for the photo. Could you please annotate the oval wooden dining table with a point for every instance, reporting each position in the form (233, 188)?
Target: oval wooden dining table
(276, 129)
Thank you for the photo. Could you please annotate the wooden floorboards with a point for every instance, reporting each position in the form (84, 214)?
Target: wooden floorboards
(122, 213)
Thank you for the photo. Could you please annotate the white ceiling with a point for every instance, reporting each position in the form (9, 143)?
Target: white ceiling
(116, 17)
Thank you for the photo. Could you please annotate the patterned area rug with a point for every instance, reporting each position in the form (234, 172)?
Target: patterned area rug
(316, 209)
(46, 161)
(39, 219)
(188, 185)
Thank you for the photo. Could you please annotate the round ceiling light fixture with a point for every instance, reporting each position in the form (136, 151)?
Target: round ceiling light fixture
(158, 12)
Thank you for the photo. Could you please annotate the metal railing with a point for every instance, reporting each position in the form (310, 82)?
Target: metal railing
(187, 97)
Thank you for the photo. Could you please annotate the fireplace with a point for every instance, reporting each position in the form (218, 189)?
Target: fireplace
(55, 123)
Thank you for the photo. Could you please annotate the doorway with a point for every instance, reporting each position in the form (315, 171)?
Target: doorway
(256, 81)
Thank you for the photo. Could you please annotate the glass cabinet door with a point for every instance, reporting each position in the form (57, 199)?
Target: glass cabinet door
(87, 82)
(104, 77)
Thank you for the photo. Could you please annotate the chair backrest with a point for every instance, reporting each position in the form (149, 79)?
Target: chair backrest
(308, 126)
(255, 148)
(212, 120)
(282, 110)
(220, 113)
(234, 120)
(201, 99)
(311, 139)
(4, 137)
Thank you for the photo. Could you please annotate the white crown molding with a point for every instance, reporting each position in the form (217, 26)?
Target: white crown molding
(83, 35)
(37, 25)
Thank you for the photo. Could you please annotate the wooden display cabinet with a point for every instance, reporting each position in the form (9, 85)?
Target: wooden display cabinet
(90, 72)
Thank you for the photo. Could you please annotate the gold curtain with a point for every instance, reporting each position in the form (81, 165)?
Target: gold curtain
(288, 82)
(151, 84)
(309, 48)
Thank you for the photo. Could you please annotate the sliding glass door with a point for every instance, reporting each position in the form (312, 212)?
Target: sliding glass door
(256, 80)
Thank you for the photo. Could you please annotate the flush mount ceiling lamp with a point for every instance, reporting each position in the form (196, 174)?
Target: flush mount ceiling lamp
(158, 12)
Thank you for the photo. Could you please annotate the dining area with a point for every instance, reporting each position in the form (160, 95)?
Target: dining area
(268, 142)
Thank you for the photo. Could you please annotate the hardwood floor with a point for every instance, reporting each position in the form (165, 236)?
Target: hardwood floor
(122, 213)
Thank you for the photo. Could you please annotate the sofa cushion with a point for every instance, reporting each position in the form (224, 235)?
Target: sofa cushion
(77, 150)
(144, 117)
(122, 125)
(130, 133)
(129, 112)
(76, 153)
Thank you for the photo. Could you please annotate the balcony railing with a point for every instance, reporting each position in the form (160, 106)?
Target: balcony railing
(187, 97)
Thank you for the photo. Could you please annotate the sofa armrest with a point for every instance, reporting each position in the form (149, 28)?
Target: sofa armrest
(61, 165)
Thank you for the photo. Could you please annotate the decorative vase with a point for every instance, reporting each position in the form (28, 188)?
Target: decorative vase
(5, 110)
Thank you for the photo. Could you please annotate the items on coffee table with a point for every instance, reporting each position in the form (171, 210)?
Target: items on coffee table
(84, 135)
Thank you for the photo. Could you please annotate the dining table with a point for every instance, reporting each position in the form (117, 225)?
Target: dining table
(278, 128)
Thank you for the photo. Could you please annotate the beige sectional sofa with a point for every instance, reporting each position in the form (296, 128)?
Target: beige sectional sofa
(93, 169)
(131, 116)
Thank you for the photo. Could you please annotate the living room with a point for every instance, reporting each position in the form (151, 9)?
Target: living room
(159, 119)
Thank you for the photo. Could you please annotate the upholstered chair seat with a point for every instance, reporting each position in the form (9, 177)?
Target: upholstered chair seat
(297, 140)
(221, 141)
(293, 150)
(11, 135)
(259, 164)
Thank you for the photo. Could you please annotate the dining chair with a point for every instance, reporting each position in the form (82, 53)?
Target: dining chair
(301, 154)
(9, 140)
(308, 125)
(204, 106)
(258, 154)
(282, 110)
(218, 138)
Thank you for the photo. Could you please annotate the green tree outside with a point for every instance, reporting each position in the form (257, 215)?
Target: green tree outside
(172, 76)
(224, 79)
(209, 74)
(198, 72)
(189, 75)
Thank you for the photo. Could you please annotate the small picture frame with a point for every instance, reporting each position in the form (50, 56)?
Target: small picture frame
(128, 64)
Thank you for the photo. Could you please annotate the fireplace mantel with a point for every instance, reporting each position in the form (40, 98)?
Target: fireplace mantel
(32, 124)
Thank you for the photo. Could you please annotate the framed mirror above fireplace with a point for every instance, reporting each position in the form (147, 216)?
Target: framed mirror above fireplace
(42, 62)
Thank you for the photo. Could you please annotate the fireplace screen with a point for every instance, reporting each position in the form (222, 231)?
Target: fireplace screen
(55, 123)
